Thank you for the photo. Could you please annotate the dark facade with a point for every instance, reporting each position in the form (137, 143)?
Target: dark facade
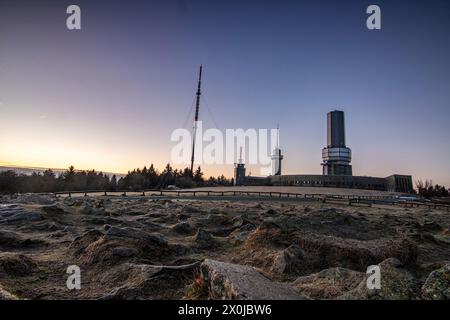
(335, 129)
(239, 174)
(399, 183)
(394, 183)
(355, 182)
(336, 156)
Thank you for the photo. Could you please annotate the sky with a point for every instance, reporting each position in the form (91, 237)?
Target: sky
(109, 96)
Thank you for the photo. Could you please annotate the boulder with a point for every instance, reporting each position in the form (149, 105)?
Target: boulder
(5, 295)
(135, 234)
(7, 210)
(397, 283)
(141, 281)
(203, 236)
(431, 226)
(31, 198)
(11, 239)
(232, 281)
(329, 283)
(291, 260)
(53, 209)
(191, 209)
(182, 227)
(240, 235)
(16, 265)
(90, 209)
(330, 251)
(14, 214)
(437, 285)
(237, 222)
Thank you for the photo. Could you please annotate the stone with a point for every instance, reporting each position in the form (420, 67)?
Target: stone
(240, 235)
(11, 239)
(12, 214)
(203, 236)
(431, 226)
(89, 209)
(397, 283)
(135, 234)
(5, 295)
(31, 198)
(16, 265)
(53, 209)
(232, 281)
(182, 227)
(329, 283)
(290, 260)
(190, 209)
(237, 222)
(437, 284)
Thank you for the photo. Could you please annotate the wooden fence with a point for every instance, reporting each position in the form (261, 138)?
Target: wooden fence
(326, 198)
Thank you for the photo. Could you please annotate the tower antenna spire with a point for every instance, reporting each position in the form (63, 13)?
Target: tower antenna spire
(278, 135)
(197, 107)
(240, 161)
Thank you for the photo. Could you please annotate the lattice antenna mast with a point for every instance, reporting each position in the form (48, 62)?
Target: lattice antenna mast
(197, 107)
(240, 160)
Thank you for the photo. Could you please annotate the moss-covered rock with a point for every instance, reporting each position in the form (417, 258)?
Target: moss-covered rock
(437, 285)
(397, 283)
(5, 295)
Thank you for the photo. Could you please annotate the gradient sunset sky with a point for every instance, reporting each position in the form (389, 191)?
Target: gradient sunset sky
(109, 96)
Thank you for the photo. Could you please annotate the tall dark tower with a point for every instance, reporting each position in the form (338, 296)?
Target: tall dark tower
(239, 171)
(336, 156)
(197, 107)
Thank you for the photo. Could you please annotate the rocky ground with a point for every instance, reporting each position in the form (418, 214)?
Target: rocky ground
(143, 248)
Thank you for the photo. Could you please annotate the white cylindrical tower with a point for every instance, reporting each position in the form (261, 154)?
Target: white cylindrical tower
(277, 156)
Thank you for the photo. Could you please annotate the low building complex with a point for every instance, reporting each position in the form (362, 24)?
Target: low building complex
(336, 168)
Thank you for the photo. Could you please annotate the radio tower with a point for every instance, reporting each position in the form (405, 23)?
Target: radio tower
(197, 107)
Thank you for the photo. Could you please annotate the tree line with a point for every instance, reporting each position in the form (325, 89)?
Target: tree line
(80, 180)
(427, 190)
